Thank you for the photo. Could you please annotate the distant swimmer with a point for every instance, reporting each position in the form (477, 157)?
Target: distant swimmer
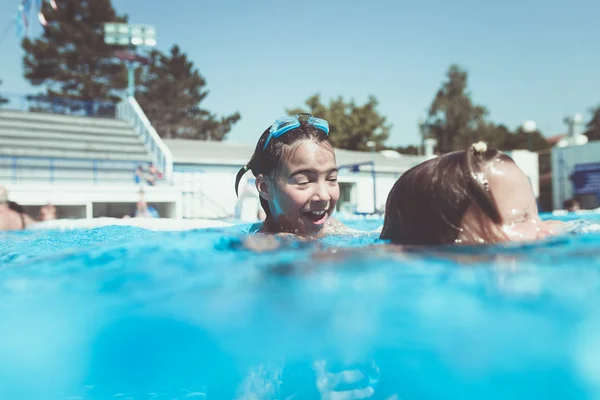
(12, 215)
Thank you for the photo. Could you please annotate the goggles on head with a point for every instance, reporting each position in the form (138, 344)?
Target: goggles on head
(285, 124)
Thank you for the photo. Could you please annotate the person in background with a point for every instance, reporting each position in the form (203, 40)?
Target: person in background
(152, 175)
(12, 215)
(473, 196)
(143, 210)
(47, 212)
(571, 205)
(139, 175)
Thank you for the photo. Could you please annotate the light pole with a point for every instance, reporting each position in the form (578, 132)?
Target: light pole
(529, 127)
(574, 137)
(131, 37)
(371, 144)
(421, 123)
(429, 147)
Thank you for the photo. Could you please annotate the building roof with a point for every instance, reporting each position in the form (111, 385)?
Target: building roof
(202, 152)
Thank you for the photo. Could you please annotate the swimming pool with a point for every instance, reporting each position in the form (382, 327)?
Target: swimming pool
(121, 312)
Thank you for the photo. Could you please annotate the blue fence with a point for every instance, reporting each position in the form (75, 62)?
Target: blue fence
(22, 169)
(58, 105)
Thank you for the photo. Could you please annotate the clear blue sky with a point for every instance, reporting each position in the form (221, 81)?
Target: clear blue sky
(527, 59)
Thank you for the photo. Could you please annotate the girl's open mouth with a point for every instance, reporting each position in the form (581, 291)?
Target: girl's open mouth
(316, 217)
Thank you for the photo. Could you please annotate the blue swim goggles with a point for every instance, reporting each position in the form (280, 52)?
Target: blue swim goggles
(284, 124)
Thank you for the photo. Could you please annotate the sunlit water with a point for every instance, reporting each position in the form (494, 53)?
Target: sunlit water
(120, 313)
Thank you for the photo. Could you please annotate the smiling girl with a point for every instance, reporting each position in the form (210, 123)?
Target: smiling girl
(296, 177)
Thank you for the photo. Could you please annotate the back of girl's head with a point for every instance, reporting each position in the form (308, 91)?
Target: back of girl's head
(266, 160)
(427, 204)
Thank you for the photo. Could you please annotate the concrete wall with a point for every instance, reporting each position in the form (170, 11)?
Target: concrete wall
(87, 201)
(62, 211)
(198, 192)
(119, 210)
(564, 161)
(362, 193)
(207, 191)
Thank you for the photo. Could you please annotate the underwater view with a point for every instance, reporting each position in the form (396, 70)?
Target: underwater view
(127, 313)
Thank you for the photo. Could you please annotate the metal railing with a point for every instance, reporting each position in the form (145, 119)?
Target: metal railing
(22, 169)
(129, 110)
(58, 105)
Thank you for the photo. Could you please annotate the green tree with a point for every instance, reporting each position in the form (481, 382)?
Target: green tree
(493, 134)
(453, 119)
(456, 122)
(500, 137)
(351, 126)
(71, 58)
(2, 99)
(170, 90)
(410, 149)
(521, 140)
(593, 126)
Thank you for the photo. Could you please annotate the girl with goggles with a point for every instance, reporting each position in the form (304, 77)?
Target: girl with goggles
(296, 177)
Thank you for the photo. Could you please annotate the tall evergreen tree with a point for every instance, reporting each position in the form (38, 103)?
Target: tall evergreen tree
(409, 150)
(2, 99)
(521, 140)
(70, 58)
(593, 126)
(453, 119)
(170, 90)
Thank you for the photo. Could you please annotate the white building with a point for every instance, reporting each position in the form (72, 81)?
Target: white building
(576, 173)
(206, 171)
(85, 166)
(576, 168)
(528, 161)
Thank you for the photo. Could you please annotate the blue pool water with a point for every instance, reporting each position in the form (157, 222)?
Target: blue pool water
(125, 313)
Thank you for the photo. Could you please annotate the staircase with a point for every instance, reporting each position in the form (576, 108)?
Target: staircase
(37, 147)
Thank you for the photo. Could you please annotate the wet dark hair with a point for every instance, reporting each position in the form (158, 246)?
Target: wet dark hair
(266, 161)
(428, 202)
(16, 207)
(570, 203)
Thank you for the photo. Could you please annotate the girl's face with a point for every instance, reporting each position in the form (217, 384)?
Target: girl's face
(304, 191)
(513, 194)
